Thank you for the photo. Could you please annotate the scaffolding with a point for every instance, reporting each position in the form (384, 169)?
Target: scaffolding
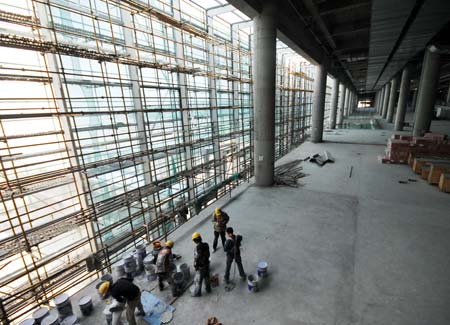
(119, 121)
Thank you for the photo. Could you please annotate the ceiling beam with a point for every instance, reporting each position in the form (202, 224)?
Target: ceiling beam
(333, 7)
(350, 28)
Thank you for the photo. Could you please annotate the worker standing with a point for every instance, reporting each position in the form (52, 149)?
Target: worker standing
(164, 267)
(233, 249)
(125, 293)
(201, 265)
(220, 219)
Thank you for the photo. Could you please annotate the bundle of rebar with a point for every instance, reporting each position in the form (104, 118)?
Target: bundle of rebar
(289, 173)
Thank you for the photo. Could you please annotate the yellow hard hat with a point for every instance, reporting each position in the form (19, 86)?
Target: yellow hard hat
(169, 243)
(218, 211)
(104, 288)
(195, 235)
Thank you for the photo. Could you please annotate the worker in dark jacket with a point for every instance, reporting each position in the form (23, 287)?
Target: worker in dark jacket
(220, 219)
(124, 292)
(165, 266)
(201, 265)
(232, 248)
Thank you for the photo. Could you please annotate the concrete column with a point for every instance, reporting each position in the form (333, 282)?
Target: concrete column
(426, 98)
(414, 100)
(392, 100)
(334, 103)
(402, 100)
(340, 115)
(347, 101)
(448, 96)
(318, 104)
(385, 100)
(264, 61)
(380, 104)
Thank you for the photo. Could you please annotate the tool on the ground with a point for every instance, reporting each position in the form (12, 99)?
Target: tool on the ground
(351, 172)
(403, 182)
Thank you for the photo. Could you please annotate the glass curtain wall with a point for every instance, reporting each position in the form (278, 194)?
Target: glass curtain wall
(117, 124)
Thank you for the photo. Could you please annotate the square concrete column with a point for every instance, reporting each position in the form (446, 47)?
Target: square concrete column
(334, 103)
(426, 98)
(340, 115)
(386, 100)
(448, 96)
(392, 100)
(318, 104)
(402, 99)
(264, 63)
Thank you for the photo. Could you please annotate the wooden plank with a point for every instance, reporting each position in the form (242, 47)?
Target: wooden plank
(444, 182)
(435, 172)
(420, 162)
(425, 170)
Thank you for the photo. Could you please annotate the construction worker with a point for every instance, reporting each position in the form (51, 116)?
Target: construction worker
(164, 267)
(232, 248)
(157, 248)
(201, 265)
(125, 293)
(220, 219)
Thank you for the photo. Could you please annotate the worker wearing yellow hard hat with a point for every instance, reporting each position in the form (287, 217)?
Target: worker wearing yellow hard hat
(220, 219)
(164, 266)
(124, 293)
(201, 265)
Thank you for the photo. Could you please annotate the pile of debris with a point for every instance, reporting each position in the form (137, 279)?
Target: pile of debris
(289, 173)
(321, 159)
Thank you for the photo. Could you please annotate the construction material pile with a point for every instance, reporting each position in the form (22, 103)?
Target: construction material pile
(289, 173)
(401, 147)
(428, 156)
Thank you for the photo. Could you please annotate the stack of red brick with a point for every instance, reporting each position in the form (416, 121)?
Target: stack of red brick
(400, 147)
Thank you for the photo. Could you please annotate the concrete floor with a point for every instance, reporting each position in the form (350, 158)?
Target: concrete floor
(342, 250)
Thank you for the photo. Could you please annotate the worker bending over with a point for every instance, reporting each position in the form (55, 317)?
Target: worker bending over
(125, 293)
(201, 265)
(232, 248)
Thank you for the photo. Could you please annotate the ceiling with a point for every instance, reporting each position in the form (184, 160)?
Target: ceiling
(365, 42)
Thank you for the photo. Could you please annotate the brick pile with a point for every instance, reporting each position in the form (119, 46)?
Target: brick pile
(400, 148)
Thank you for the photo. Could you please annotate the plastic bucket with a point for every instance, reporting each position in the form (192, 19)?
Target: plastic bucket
(252, 283)
(262, 269)
(184, 268)
(148, 262)
(86, 305)
(119, 269)
(178, 279)
(140, 251)
(63, 305)
(70, 320)
(50, 320)
(39, 314)
(130, 265)
(28, 322)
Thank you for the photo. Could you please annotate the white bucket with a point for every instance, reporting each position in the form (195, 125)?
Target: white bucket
(262, 269)
(252, 283)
